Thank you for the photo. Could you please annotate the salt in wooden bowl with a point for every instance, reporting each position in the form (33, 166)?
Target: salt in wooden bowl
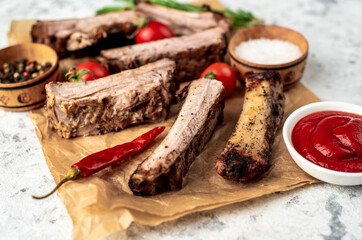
(291, 72)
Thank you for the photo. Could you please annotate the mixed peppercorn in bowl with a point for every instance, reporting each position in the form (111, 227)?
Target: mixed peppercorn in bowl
(24, 71)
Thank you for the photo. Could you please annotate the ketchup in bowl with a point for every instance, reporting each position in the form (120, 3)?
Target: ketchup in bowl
(330, 139)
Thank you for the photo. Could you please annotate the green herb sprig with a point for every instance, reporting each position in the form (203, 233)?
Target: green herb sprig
(109, 9)
(239, 18)
(179, 6)
(128, 5)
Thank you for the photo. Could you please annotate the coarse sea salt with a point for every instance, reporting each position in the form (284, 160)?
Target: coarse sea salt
(268, 51)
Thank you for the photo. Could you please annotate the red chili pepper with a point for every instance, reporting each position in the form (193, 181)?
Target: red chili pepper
(26, 74)
(107, 158)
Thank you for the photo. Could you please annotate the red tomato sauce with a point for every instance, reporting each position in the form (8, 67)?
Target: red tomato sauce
(330, 139)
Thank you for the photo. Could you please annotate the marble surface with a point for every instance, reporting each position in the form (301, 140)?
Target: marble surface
(320, 211)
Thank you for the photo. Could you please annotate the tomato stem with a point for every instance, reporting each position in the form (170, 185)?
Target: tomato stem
(210, 75)
(143, 23)
(75, 76)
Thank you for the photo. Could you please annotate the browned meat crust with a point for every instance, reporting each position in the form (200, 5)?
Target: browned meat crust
(86, 34)
(111, 103)
(248, 150)
(168, 164)
(183, 23)
(192, 53)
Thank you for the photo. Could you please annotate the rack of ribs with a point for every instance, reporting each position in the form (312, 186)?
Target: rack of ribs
(111, 103)
(165, 168)
(182, 22)
(87, 34)
(247, 152)
(192, 53)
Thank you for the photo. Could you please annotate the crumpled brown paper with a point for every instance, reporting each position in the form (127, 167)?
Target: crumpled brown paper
(102, 204)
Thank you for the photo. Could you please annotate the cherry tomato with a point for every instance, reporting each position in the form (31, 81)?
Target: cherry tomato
(82, 72)
(97, 69)
(222, 72)
(153, 31)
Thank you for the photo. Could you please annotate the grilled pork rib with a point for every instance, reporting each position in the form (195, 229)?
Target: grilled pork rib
(111, 103)
(248, 150)
(184, 23)
(192, 53)
(70, 35)
(168, 164)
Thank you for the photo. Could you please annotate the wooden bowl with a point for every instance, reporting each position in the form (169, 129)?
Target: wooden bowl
(28, 94)
(291, 72)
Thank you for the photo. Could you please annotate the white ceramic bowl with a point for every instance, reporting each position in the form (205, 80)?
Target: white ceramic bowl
(326, 175)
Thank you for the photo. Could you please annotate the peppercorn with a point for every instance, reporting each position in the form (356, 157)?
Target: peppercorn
(20, 67)
(24, 78)
(22, 70)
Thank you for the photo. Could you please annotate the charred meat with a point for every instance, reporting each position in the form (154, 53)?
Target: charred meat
(183, 23)
(111, 103)
(192, 53)
(165, 168)
(87, 34)
(248, 150)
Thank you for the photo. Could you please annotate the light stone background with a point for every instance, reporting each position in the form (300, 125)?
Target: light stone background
(322, 211)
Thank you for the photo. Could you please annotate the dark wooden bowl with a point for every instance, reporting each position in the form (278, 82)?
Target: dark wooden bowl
(291, 72)
(29, 94)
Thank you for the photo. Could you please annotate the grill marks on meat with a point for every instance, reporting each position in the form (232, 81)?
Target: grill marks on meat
(184, 23)
(192, 53)
(165, 168)
(111, 103)
(66, 36)
(248, 150)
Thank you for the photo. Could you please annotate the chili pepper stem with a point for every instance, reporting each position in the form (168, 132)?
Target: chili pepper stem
(72, 174)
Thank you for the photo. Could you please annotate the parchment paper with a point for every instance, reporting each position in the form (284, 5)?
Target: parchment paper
(102, 204)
